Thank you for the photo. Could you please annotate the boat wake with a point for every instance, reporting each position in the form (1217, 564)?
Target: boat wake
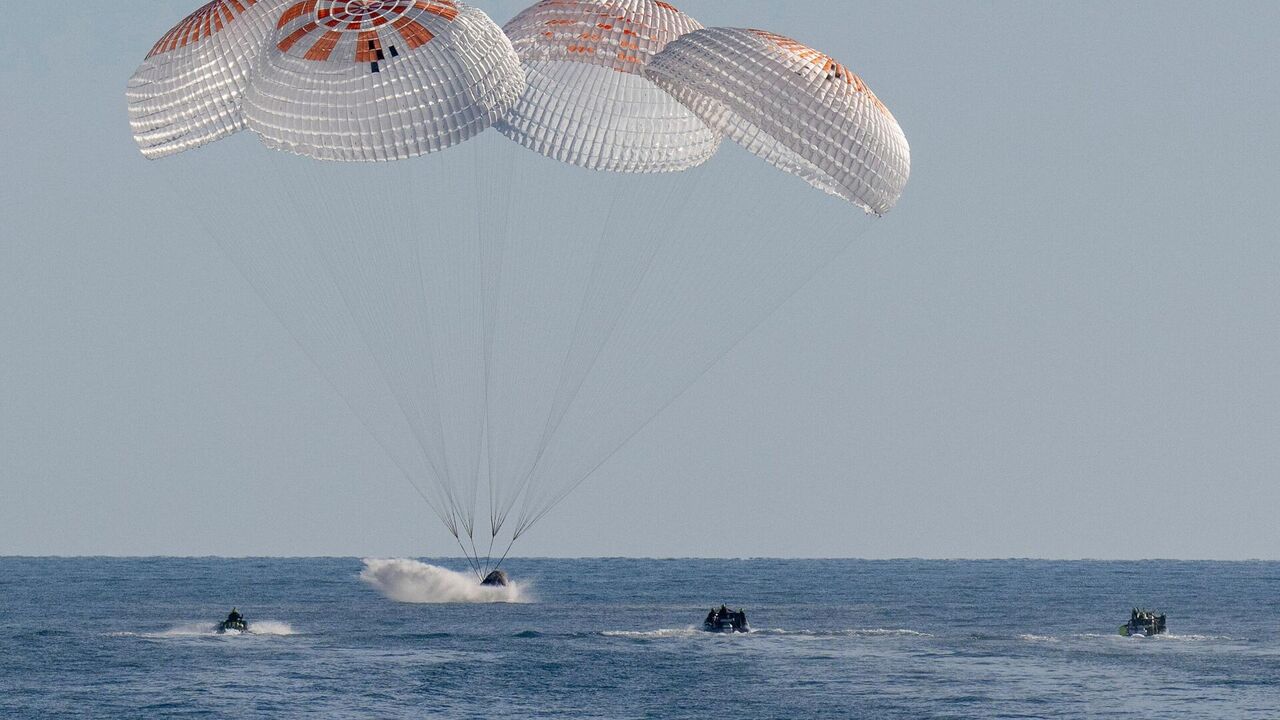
(270, 627)
(257, 627)
(851, 632)
(1115, 637)
(689, 631)
(767, 632)
(1032, 637)
(1173, 637)
(410, 581)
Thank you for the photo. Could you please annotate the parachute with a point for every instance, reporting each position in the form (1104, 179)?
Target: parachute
(408, 78)
(588, 101)
(793, 106)
(503, 322)
(187, 92)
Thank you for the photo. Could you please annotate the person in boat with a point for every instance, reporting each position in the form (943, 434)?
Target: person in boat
(234, 616)
(741, 619)
(711, 618)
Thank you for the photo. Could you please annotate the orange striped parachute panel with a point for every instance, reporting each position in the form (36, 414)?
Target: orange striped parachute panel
(588, 102)
(835, 133)
(202, 23)
(361, 31)
(186, 93)
(828, 67)
(359, 80)
(616, 33)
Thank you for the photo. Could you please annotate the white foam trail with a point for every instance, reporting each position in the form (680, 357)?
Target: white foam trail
(256, 627)
(270, 627)
(663, 633)
(849, 632)
(1171, 637)
(776, 632)
(188, 630)
(1117, 637)
(410, 581)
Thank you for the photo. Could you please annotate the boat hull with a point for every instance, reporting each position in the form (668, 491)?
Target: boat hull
(225, 627)
(731, 624)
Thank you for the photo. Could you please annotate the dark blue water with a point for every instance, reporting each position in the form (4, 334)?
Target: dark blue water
(121, 638)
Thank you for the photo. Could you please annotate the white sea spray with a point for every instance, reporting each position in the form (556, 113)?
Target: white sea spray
(411, 581)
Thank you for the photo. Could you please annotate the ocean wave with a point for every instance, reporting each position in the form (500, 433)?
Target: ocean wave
(410, 581)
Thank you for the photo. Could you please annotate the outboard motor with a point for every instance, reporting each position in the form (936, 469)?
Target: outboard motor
(497, 578)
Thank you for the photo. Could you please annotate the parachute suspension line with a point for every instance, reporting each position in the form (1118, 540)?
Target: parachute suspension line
(564, 401)
(772, 309)
(442, 468)
(498, 564)
(495, 274)
(674, 202)
(488, 554)
(420, 327)
(534, 311)
(490, 274)
(463, 497)
(245, 275)
(403, 225)
(407, 233)
(486, 323)
(565, 364)
(334, 228)
(507, 188)
(558, 497)
(473, 562)
(535, 508)
(425, 319)
(343, 293)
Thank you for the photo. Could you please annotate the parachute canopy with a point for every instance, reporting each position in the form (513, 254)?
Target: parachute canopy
(793, 106)
(588, 102)
(377, 80)
(187, 92)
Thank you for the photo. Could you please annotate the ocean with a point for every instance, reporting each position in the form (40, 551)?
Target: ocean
(617, 638)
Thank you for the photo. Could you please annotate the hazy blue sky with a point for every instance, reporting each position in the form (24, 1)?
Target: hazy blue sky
(1063, 342)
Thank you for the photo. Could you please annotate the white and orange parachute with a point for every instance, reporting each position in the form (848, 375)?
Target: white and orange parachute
(501, 323)
(588, 102)
(352, 81)
(187, 92)
(793, 106)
